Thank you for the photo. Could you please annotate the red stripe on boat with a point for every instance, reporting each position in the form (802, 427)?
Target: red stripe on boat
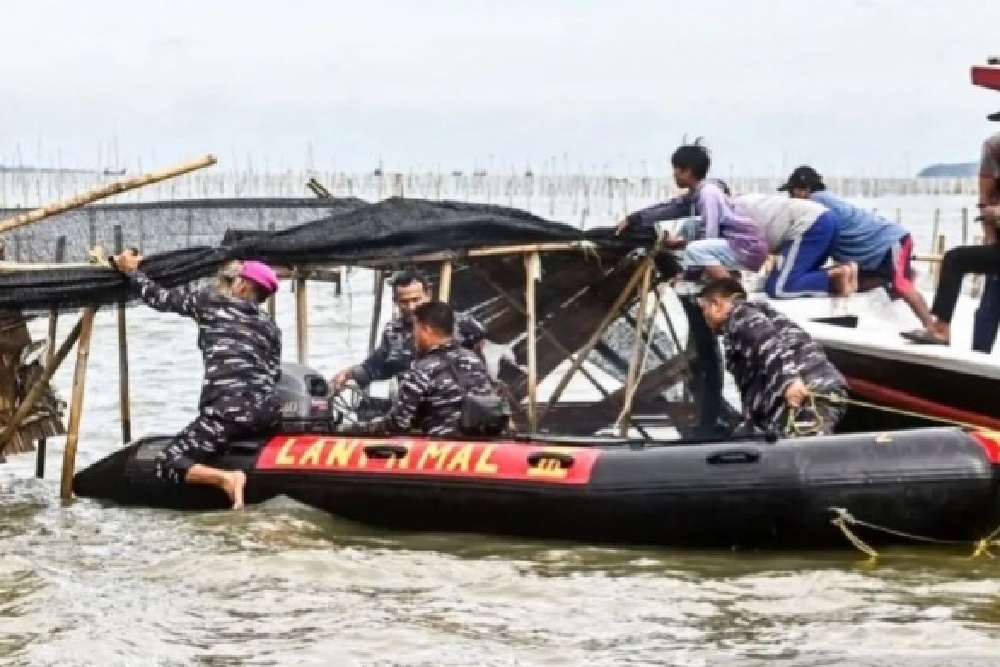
(901, 399)
(989, 440)
(987, 77)
(427, 457)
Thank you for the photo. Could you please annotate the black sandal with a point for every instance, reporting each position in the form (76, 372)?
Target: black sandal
(923, 337)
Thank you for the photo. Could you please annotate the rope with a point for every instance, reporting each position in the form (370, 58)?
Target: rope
(812, 427)
(899, 411)
(844, 519)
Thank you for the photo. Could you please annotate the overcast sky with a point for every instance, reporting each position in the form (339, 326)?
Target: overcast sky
(862, 86)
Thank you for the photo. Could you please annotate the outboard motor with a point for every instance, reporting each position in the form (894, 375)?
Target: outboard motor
(305, 406)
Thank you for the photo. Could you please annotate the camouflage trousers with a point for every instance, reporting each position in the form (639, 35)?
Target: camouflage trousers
(208, 435)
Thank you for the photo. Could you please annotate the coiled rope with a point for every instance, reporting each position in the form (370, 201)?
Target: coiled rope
(843, 519)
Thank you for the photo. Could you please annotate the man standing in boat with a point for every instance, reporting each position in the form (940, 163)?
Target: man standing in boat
(779, 369)
(881, 249)
(436, 390)
(962, 260)
(987, 318)
(241, 347)
(396, 350)
(731, 241)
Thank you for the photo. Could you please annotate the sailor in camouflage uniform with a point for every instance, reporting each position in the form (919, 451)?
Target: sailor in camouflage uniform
(775, 363)
(396, 351)
(241, 347)
(431, 392)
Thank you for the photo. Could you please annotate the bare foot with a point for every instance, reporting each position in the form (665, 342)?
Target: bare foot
(852, 278)
(236, 481)
(839, 280)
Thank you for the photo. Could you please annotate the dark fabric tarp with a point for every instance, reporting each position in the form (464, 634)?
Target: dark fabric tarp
(391, 229)
(577, 289)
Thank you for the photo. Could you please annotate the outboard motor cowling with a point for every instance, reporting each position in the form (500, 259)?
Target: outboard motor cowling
(304, 396)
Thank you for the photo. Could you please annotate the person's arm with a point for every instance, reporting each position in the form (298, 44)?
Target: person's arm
(179, 300)
(758, 334)
(414, 385)
(377, 366)
(672, 209)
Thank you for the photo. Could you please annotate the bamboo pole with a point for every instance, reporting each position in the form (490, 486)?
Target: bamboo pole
(318, 188)
(11, 267)
(612, 314)
(444, 289)
(50, 350)
(103, 192)
(543, 331)
(637, 356)
(36, 391)
(124, 400)
(76, 404)
(486, 252)
(379, 288)
(301, 320)
(531, 274)
(939, 244)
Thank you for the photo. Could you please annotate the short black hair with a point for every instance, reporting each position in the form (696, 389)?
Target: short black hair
(723, 288)
(692, 156)
(437, 315)
(804, 178)
(408, 277)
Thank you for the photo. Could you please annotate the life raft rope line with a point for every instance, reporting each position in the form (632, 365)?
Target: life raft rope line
(844, 519)
(815, 427)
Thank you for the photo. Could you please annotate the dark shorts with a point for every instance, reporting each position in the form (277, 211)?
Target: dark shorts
(896, 269)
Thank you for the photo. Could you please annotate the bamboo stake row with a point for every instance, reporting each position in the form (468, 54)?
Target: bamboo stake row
(110, 190)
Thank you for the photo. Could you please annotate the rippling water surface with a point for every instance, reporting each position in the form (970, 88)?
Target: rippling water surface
(281, 584)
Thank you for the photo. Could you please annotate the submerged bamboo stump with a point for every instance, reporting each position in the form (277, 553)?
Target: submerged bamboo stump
(43, 422)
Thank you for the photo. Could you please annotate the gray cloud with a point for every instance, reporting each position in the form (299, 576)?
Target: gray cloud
(865, 83)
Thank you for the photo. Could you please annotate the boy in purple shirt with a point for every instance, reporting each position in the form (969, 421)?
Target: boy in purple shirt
(732, 241)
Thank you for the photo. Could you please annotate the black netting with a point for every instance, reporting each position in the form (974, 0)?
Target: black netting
(355, 232)
(578, 286)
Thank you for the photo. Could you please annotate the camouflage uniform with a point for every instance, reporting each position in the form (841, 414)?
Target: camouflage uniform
(430, 396)
(396, 351)
(241, 347)
(765, 353)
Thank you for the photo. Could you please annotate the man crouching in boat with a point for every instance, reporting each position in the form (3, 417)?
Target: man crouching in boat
(435, 394)
(241, 347)
(777, 366)
(396, 351)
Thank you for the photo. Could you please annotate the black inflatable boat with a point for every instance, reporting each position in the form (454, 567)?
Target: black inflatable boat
(760, 493)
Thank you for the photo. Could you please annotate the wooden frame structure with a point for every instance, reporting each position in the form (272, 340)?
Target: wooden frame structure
(638, 285)
(80, 334)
